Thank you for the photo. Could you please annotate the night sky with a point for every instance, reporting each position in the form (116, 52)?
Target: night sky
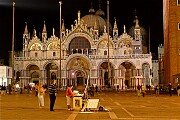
(34, 12)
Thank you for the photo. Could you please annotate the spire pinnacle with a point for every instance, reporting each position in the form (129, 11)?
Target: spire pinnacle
(63, 27)
(115, 24)
(44, 28)
(79, 18)
(136, 22)
(124, 29)
(26, 30)
(34, 32)
(53, 31)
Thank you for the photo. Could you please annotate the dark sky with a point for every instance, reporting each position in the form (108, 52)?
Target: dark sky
(34, 12)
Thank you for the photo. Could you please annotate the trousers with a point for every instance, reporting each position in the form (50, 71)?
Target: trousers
(52, 101)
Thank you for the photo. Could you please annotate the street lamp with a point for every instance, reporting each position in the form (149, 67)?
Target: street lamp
(13, 45)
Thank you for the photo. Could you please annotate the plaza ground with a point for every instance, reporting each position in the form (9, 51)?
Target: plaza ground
(121, 105)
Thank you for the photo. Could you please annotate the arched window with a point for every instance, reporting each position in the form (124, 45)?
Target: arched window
(54, 53)
(105, 52)
(79, 43)
(36, 54)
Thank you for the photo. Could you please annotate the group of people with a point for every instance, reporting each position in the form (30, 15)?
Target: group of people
(53, 93)
(141, 90)
(171, 89)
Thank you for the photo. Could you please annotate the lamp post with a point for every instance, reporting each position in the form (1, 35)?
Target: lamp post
(60, 3)
(13, 45)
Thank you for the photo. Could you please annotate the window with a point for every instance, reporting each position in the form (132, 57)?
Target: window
(178, 2)
(178, 26)
(54, 54)
(105, 52)
(36, 54)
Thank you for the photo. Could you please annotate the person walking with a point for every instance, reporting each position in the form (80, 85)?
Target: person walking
(178, 90)
(170, 89)
(69, 95)
(52, 94)
(41, 93)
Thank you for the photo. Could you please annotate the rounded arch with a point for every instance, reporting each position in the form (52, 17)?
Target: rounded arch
(74, 56)
(103, 61)
(30, 64)
(33, 71)
(55, 45)
(127, 61)
(79, 43)
(35, 46)
(50, 62)
(75, 35)
(104, 44)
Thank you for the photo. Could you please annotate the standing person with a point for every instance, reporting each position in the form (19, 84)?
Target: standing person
(36, 89)
(52, 94)
(157, 90)
(178, 90)
(143, 90)
(69, 95)
(138, 90)
(170, 89)
(41, 92)
(96, 88)
(9, 88)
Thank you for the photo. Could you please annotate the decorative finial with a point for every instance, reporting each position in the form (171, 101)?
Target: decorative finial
(79, 17)
(124, 29)
(44, 28)
(34, 32)
(53, 31)
(137, 22)
(115, 24)
(26, 30)
(13, 3)
(60, 2)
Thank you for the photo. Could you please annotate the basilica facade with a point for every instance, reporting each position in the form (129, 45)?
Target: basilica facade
(86, 51)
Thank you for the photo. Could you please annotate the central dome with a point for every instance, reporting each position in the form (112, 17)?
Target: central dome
(91, 19)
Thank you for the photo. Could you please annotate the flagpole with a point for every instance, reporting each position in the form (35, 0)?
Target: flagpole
(12, 53)
(60, 3)
(149, 39)
(108, 39)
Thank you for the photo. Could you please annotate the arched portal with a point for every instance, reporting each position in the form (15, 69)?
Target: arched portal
(126, 70)
(51, 71)
(77, 71)
(146, 74)
(108, 77)
(34, 73)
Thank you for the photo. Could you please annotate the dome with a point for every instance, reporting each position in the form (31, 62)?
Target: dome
(91, 19)
(100, 12)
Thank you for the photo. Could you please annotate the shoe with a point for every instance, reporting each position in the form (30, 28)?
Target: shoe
(51, 110)
(70, 109)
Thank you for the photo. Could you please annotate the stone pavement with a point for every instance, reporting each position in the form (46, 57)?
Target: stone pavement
(121, 105)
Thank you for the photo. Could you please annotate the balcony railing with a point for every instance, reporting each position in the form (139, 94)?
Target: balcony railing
(133, 56)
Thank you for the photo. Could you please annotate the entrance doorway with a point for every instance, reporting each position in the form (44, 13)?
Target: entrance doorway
(80, 81)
